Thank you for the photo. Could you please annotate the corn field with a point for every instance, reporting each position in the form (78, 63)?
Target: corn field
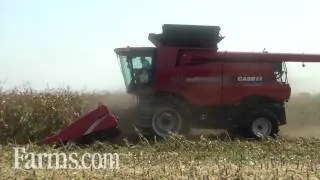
(27, 116)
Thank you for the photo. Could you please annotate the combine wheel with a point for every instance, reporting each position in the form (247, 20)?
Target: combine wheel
(262, 124)
(170, 118)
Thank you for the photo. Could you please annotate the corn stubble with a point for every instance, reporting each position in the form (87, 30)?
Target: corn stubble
(27, 116)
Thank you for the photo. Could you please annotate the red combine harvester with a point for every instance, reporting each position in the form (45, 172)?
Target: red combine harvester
(184, 82)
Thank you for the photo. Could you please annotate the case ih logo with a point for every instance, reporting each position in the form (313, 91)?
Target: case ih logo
(249, 78)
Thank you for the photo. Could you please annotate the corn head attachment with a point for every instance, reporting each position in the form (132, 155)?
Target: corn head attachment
(98, 124)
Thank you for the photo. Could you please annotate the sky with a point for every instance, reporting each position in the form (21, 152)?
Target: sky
(59, 43)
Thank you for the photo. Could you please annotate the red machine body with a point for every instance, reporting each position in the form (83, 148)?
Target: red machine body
(208, 77)
(219, 89)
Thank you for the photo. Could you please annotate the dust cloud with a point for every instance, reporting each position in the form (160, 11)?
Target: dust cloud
(303, 116)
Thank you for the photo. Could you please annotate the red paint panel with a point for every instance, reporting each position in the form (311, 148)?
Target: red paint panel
(234, 91)
(202, 84)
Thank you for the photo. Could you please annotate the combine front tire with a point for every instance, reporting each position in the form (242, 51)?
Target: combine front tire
(170, 118)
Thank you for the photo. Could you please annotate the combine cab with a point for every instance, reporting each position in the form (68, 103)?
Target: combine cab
(138, 65)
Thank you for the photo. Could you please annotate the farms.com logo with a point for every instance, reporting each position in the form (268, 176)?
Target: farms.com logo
(34, 160)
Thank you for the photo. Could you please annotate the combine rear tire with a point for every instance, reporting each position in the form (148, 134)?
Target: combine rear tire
(262, 124)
